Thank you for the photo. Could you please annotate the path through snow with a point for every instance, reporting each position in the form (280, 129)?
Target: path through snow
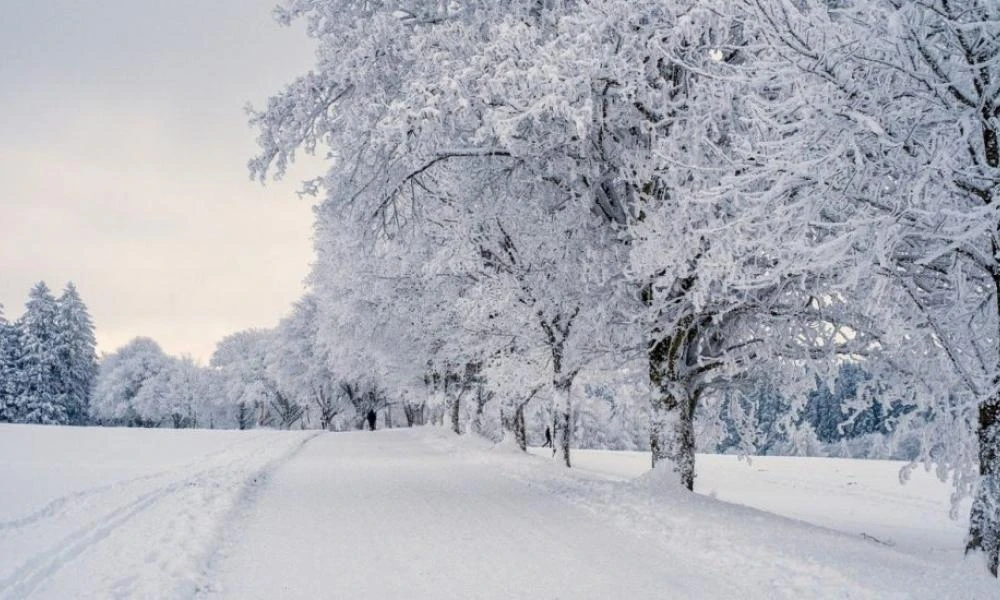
(394, 515)
(421, 514)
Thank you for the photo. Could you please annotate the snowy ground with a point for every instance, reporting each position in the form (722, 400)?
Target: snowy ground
(857, 497)
(104, 513)
(122, 513)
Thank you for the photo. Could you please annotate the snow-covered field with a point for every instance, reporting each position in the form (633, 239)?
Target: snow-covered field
(857, 497)
(121, 513)
(118, 513)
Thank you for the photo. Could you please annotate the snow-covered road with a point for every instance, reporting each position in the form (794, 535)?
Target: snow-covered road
(422, 514)
(105, 513)
(395, 515)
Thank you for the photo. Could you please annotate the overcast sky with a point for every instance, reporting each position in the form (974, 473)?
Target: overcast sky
(123, 149)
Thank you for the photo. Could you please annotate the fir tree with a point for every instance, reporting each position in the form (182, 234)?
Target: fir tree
(7, 370)
(834, 414)
(77, 355)
(40, 389)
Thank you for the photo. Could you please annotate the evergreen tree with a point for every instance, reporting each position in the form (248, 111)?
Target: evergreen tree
(77, 355)
(7, 370)
(754, 419)
(837, 414)
(39, 386)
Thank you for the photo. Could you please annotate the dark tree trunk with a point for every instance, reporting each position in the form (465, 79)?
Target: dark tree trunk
(482, 397)
(327, 404)
(984, 519)
(672, 405)
(432, 381)
(556, 333)
(520, 431)
(456, 406)
(671, 434)
(515, 424)
(562, 426)
(420, 414)
(264, 418)
(243, 416)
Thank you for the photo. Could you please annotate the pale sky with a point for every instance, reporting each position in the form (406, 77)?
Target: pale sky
(123, 149)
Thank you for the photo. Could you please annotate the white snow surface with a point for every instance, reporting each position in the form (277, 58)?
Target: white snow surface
(122, 513)
(118, 513)
(857, 497)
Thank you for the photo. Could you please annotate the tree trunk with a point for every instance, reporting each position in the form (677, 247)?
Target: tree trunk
(456, 405)
(415, 414)
(671, 432)
(520, 431)
(561, 423)
(477, 420)
(671, 414)
(440, 407)
(243, 416)
(984, 520)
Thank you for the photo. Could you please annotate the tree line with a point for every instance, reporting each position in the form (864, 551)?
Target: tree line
(699, 195)
(48, 361)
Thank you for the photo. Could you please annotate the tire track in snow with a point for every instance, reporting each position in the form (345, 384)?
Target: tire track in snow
(41, 567)
(250, 493)
(56, 506)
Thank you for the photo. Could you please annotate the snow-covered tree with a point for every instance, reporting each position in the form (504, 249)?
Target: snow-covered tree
(382, 314)
(896, 109)
(40, 369)
(77, 355)
(140, 386)
(242, 359)
(613, 410)
(364, 398)
(301, 366)
(582, 134)
(177, 394)
(8, 369)
(654, 138)
(122, 376)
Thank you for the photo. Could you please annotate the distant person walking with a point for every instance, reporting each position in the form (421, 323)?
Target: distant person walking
(548, 438)
(371, 419)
